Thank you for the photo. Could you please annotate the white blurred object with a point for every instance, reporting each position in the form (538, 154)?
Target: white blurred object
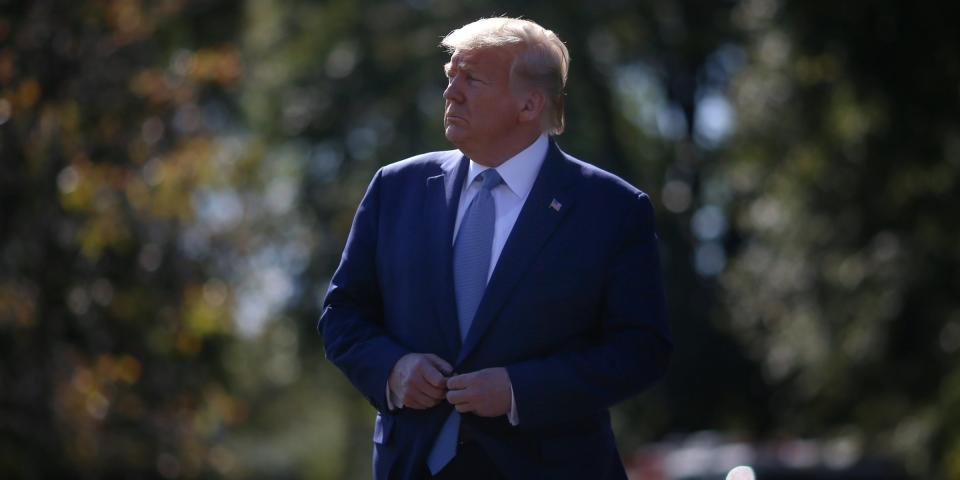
(741, 473)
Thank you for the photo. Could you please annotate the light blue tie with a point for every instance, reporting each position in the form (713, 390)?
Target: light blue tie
(471, 265)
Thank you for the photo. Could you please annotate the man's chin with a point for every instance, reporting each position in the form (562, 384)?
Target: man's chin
(454, 134)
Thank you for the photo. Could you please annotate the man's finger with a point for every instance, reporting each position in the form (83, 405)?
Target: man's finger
(424, 400)
(466, 407)
(434, 377)
(440, 363)
(427, 391)
(459, 382)
(414, 400)
(423, 385)
(457, 396)
(434, 393)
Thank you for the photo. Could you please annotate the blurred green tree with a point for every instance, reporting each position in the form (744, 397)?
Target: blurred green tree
(109, 333)
(845, 171)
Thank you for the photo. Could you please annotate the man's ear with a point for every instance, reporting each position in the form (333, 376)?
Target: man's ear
(532, 106)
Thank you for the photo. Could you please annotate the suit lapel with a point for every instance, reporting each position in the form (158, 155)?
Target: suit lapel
(548, 202)
(440, 213)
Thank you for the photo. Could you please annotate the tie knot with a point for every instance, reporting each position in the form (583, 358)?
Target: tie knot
(490, 179)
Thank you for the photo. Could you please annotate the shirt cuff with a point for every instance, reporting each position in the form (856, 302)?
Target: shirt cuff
(512, 415)
(394, 402)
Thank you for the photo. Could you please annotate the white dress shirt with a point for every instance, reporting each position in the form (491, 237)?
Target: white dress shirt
(518, 173)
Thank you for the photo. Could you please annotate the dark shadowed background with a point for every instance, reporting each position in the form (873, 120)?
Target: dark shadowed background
(177, 179)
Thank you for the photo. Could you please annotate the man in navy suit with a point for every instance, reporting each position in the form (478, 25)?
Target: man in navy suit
(493, 301)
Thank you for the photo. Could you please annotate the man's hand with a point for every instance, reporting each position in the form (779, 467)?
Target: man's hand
(484, 392)
(419, 380)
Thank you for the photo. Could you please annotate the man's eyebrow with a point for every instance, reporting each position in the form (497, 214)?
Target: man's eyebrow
(461, 65)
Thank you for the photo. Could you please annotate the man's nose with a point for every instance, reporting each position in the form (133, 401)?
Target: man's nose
(453, 92)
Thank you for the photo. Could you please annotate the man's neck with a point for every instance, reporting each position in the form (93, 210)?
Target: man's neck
(494, 155)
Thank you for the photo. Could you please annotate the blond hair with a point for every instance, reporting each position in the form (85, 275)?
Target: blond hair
(542, 61)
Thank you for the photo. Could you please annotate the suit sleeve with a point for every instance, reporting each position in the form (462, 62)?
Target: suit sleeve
(352, 323)
(634, 343)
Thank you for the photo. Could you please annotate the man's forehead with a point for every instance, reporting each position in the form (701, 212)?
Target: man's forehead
(473, 58)
(463, 58)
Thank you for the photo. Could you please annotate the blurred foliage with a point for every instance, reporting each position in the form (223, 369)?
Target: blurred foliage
(177, 179)
(844, 176)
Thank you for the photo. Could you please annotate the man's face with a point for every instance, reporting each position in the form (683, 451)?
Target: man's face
(480, 107)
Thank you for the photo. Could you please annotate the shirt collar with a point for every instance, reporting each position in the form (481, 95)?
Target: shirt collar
(520, 170)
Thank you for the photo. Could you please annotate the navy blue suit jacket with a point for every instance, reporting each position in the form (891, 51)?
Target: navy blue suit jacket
(574, 310)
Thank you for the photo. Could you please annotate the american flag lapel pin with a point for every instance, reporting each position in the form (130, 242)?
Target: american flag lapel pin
(554, 204)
